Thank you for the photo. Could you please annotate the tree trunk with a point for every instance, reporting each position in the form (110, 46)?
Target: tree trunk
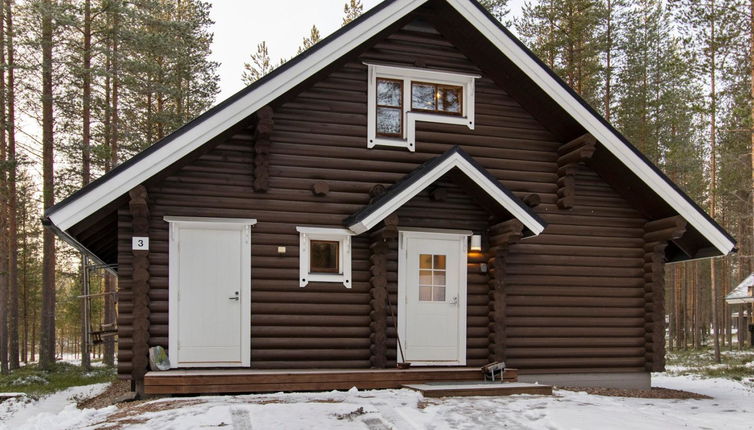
(12, 192)
(751, 209)
(33, 343)
(86, 106)
(86, 363)
(47, 336)
(713, 174)
(683, 291)
(5, 214)
(608, 60)
(112, 122)
(25, 290)
(86, 102)
(114, 144)
(678, 307)
(697, 320)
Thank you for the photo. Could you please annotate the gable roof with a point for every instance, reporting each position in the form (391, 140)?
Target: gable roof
(741, 294)
(193, 135)
(429, 172)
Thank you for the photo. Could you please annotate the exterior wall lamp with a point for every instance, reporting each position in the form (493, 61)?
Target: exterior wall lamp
(476, 242)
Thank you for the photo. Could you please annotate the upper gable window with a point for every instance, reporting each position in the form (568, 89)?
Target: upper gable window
(401, 96)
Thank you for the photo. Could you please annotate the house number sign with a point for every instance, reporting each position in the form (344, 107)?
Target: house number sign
(139, 243)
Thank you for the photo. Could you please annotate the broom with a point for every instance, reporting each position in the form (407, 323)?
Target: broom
(403, 365)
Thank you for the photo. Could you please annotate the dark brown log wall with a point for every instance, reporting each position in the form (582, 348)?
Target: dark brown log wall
(575, 296)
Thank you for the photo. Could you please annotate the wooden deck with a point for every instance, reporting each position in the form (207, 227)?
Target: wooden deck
(265, 381)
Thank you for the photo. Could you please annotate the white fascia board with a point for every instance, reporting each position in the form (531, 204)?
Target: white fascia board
(68, 216)
(332, 231)
(593, 125)
(454, 161)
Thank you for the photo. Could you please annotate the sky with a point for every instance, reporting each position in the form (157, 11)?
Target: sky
(241, 25)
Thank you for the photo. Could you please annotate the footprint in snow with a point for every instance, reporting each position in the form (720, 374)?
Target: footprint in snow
(376, 424)
(534, 416)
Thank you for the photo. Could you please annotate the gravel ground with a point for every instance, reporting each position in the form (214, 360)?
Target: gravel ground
(653, 393)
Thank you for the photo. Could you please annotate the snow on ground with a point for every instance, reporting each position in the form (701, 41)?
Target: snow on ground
(55, 411)
(403, 409)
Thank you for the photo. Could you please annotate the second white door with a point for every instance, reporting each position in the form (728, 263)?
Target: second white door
(432, 297)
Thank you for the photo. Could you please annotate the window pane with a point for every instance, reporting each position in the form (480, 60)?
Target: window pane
(438, 294)
(324, 257)
(425, 277)
(389, 121)
(422, 96)
(425, 261)
(439, 262)
(425, 294)
(449, 99)
(439, 278)
(389, 93)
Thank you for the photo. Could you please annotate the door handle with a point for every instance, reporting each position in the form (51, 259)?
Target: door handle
(454, 300)
(236, 298)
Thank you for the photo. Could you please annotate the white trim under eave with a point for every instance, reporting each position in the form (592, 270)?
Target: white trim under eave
(454, 161)
(68, 216)
(592, 124)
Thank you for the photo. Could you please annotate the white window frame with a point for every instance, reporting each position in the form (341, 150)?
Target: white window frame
(340, 235)
(409, 74)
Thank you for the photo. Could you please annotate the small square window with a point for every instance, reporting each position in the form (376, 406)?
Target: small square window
(324, 256)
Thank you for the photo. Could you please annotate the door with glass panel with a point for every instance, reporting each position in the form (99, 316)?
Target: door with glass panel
(432, 297)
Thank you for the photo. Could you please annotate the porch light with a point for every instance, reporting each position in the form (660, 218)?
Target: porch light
(476, 242)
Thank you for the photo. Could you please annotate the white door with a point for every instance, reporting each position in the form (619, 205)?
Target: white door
(432, 297)
(209, 292)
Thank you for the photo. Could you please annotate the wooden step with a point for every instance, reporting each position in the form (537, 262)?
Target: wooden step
(474, 388)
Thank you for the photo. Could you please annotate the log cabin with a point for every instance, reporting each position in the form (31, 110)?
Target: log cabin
(416, 188)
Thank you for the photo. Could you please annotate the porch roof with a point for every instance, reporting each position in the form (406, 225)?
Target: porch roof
(742, 292)
(427, 174)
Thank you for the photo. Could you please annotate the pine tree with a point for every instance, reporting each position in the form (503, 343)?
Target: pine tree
(566, 35)
(352, 10)
(639, 111)
(498, 8)
(259, 65)
(4, 213)
(10, 123)
(310, 40)
(613, 23)
(47, 339)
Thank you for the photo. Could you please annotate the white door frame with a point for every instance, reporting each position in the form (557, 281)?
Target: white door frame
(243, 225)
(462, 237)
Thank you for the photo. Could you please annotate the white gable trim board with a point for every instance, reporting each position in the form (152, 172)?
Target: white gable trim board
(102, 193)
